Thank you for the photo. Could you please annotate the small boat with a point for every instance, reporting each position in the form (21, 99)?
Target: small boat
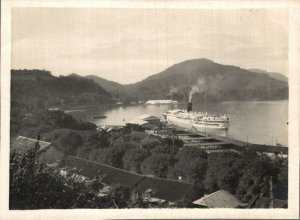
(99, 117)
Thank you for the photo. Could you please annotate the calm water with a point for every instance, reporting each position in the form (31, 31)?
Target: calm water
(255, 122)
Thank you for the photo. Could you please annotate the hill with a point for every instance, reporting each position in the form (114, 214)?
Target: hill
(202, 76)
(108, 85)
(116, 89)
(274, 75)
(40, 88)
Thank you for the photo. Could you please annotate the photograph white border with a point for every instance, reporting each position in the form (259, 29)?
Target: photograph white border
(293, 136)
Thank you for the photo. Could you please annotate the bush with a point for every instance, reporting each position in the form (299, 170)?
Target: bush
(224, 171)
(67, 140)
(156, 165)
(33, 185)
(133, 159)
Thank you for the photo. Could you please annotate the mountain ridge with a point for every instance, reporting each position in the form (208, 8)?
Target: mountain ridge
(274, 75)
(203, 77)
(222, 83)
(39, 87)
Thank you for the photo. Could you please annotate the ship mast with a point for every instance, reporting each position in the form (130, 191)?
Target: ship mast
(205, 112)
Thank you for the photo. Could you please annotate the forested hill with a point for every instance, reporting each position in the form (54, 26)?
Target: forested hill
(206, 78)
(218, 82)
(39, 87)
(108, 85)
(274, 75)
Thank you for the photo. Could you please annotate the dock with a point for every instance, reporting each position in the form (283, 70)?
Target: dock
(209, 142)
(215, 143)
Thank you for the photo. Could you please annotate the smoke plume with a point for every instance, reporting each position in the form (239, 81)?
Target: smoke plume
(198, 88)
(173, 90)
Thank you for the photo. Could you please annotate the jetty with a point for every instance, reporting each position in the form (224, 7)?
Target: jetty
(212, 143)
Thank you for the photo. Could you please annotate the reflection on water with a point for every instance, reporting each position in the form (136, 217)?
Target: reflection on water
(255, 122)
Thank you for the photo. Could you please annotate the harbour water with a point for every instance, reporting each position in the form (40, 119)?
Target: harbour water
(254, 122)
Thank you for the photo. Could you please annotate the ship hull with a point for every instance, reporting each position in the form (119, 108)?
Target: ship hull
(203, 128)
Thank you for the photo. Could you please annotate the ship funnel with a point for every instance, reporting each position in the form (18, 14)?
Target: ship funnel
(189, 106)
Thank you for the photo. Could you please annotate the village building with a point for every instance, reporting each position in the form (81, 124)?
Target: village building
(48, 153)
(219, 199)
(164, 190)
(21, 144)
(109, 175)
(142, 124)
(150, 118)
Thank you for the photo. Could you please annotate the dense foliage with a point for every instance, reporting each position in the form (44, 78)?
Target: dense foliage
(32, 124)
(245, 174)
(34, 90)
(33, 185)
(36, 186)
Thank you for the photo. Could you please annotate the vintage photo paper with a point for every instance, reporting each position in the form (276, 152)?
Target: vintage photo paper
(149, 109)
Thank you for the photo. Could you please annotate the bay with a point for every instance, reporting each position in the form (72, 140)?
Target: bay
(254, 122)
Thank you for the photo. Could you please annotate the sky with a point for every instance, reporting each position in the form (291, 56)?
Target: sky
(128, 45)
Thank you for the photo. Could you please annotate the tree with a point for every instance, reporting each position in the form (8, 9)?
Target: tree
(191, 166)
(97, 140)
(119, 196)
(67, 140)
(224, 171)
(33, 185)
(161, 149)
(174, 142)
(256, 177)
(143, 200)
(188, 153)
(156, 165)
(133, 159)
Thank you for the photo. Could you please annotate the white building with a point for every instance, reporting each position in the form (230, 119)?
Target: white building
(155, 102)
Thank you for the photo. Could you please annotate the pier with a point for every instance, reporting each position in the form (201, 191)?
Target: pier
(214, 143)
(209, 142)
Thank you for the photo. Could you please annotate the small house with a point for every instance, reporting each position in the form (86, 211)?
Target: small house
(21, 144)
(149, 118)
(48, 153)
(219, 199)
(143, 124)
(163, 190)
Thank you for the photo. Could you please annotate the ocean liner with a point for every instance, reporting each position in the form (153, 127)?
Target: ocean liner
(199, 121)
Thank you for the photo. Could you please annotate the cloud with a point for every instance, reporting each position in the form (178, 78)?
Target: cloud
(127, 45)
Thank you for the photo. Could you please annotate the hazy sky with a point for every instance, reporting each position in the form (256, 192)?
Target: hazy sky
(127, 45)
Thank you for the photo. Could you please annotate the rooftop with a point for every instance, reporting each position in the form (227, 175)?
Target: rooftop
(22, 144)
(219, 199)
(165, 189)
(170, 190)
(147, 117)
(111, 175)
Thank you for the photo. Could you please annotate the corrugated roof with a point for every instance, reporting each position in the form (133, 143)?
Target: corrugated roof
(147, 117)
(219, 199)
(111, 175)
(22, 144)
(137, 121)
(170, 190)
(263, 202)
